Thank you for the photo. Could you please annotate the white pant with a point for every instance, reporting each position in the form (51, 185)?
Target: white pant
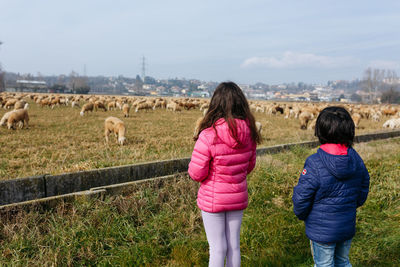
(223, 235)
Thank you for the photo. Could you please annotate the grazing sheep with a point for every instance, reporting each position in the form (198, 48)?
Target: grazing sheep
(20, 104)
(10, 103)
(112, 105)
(19, 115)
(258, 127)
(392, 123)
(99, 105)
(145, 106)
(116, 126)
(188, 106)
(5, 117)
(173, 106)
(305, 117)
(311, 124)
(204, 106)
(125, 110)
(356, 119)
(86, 108)
(75, 104)
(160, 103)
(197, 126)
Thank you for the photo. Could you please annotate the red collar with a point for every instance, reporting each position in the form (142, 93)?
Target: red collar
(334, 149)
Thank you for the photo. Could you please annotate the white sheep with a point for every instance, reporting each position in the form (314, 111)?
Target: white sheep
(392, 123)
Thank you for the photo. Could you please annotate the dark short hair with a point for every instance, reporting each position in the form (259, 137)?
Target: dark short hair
(335, 125)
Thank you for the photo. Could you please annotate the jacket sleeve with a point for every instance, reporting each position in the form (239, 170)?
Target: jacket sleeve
(252, 162)
(304, 191)
(200, 162)
(362, 197)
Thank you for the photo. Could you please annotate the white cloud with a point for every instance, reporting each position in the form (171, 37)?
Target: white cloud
(293, 59)
(384, 64)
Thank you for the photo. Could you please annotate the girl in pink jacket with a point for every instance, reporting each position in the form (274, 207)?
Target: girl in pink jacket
(224, 153)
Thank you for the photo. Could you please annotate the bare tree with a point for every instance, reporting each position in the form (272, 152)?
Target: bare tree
(373, 82)
(78, 85)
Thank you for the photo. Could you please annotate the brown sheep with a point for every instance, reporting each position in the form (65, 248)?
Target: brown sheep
(356, 118)
(5, 117)
(305, 117)
(19, 115)
(116, 126)
(86, 108)
(173, 106)
(20, 104)
(145, 106)
(10, 103)
(125, 110)
(99, 105)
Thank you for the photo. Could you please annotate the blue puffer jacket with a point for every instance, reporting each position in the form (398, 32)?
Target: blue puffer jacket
(330, 189)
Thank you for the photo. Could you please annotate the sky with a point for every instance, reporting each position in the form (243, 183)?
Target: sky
(251, 41)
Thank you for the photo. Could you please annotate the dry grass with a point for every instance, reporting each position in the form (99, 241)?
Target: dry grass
(59, 140)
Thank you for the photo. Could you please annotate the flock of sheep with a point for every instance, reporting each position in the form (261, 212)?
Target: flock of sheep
(306, 113)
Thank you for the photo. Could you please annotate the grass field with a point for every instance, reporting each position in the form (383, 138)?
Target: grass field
(160, 225)
(59, 140)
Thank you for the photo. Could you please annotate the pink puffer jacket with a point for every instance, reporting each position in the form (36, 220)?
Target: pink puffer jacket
(221, 165)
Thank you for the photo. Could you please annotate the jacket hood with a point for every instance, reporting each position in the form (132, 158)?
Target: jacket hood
(243, 133)
(342, 167)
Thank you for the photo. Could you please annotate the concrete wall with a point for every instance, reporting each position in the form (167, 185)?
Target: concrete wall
(25, 189)
(22, 189)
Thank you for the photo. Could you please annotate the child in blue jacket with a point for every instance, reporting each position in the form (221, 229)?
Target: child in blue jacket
(332, 185)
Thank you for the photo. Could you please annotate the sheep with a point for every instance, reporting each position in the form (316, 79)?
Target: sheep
(86, 108)
(75, 104)
(160, 103)
(197, 126)
(258, 127)
(204, 106)
(311, 124)
(5, 117)
(19, 104)
(305, 117)
(99, 105)
(188, 106)
(125, 110)
(10, 103)
(145, 106)
(19, 115)
(117, 126)
(111, 105)
(173, 106)
(356, 119)
(392, 123)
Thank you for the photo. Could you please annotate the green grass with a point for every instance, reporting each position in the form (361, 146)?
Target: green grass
(158, 224)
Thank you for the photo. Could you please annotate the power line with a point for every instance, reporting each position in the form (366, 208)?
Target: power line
(143, 68)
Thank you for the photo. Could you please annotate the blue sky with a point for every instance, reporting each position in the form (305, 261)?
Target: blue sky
(243, 41)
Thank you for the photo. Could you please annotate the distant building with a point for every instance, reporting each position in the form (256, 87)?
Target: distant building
(203, 94)
(28, 86)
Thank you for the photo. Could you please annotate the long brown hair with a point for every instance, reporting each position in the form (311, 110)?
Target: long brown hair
(229, 102)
